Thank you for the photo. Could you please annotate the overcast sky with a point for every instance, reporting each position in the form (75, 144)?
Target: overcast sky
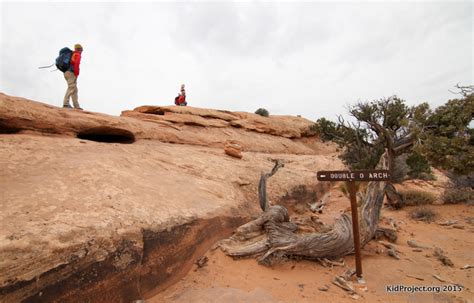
(308, 58)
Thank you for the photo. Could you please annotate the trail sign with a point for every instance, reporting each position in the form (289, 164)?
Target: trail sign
(350, 176)
(354, 175)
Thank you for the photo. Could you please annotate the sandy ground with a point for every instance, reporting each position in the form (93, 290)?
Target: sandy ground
(223, 279)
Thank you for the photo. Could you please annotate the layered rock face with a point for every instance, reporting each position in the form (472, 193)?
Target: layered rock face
(102, 208)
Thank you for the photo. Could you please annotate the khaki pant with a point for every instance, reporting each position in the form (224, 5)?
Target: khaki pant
(71, 91)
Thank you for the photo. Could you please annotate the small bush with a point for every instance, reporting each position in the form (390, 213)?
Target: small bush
(423, 214)
(262, 112)
(458, 195)
(325, 128)
(417, 197)
(462, 180)
(299, 192)
(311, 130)
(426, 176)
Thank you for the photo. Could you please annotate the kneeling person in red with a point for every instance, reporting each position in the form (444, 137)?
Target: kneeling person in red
(180, 100)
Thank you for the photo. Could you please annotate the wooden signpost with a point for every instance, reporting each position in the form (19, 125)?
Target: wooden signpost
(350, 177)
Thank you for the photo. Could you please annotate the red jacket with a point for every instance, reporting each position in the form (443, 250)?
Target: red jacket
(75, 62)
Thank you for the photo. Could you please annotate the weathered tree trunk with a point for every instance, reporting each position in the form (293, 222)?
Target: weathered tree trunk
(394, 198)
(262, 185)
(272, 235)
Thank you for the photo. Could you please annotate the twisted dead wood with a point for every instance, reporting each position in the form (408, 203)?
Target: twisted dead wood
(262, 185)
(272, 235)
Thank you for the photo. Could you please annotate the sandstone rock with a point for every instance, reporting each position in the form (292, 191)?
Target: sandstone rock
(107, 216)
(232, 148)
(184, 119)
(203, 112)
(284, 126)
(172, 124)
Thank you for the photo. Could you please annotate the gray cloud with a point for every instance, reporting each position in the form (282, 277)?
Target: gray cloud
(308, 58)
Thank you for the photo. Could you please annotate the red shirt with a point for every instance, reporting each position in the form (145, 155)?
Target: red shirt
(75, 62)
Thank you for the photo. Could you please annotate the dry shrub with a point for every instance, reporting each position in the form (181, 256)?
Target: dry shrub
(458, 195)
(300, 193)
(297, 198)
(417, 197)
(423, 214)
(461, 181)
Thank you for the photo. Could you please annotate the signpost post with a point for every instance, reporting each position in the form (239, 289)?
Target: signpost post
(350, 177)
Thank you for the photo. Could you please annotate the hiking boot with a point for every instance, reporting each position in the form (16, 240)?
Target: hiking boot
(67, 106)
(78, 108)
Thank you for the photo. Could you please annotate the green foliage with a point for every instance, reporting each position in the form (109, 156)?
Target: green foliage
(391, 113)
(419, 167)
(362, 157)
(458, 195)
(358, 154)
(441, 138)
(447, 142)
(262, 112)
(379, 123)
(453, 118)
(417, 197)
(421, 113)
(326, 129)
(312, 130)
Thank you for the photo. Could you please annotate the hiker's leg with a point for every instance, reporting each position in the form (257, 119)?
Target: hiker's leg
(75, 94)
(71, 86)
(66, 95)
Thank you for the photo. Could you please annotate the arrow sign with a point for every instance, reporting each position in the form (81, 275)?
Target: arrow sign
(349, 176)
(354, 175)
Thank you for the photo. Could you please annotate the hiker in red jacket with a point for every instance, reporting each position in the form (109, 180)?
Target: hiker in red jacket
(71, 78)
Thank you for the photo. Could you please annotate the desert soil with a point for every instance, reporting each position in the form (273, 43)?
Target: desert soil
(223, 279)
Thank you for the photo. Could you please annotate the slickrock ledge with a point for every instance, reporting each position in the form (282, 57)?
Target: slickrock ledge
(173, 124)
(283, 126)
(100, 208)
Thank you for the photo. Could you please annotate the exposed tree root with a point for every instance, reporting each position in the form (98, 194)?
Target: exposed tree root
(273, 236)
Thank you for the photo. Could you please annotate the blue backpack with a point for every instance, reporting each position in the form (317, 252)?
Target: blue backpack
(63, 61)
